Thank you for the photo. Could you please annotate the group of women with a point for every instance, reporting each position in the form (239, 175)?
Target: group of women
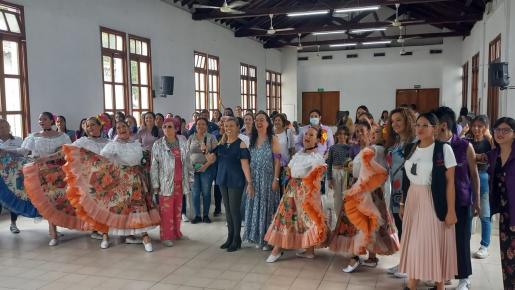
(409, 183)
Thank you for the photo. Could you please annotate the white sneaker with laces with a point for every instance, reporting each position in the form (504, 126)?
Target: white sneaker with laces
(185, 218)
(352, 267)
(148, 247)
(53, 242)
(393, 270)
(273, 259)
(464, 284)
(104, 244)
(482, 253)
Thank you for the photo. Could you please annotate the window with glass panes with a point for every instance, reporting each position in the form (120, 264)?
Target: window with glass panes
(207, 82)
(248, 87)
(14, 104)
(140, 75)
(114, 67)
(273, 92)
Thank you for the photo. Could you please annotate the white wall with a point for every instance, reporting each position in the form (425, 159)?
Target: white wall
(372, 81)
(500, 20)
(289, 84)
(64, 62)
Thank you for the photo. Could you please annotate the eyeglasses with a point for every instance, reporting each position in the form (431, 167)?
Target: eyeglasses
(425, 126)
(502, 130)
(169, 127)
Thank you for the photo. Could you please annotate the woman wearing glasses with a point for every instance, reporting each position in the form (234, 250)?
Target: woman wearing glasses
(428, 247)
(502, 193)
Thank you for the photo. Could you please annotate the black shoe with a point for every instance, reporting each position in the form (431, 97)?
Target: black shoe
(234, 247)
(196, 220)
(206, 220)
(227, 243)
(217, 212)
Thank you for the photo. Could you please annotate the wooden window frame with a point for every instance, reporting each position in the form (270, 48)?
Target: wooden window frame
(139, 58)
(20, 39)
(465, 85)
(211, 76)
(494, 55)
(112, 53)
(248, 99)
(474, 100)
(273, 91)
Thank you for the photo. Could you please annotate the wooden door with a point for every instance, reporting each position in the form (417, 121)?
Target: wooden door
(406, 97)
(494, 55)
(428, 100)
(328, 103)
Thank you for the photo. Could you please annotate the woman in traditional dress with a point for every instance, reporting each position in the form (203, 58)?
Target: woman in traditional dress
(110, 190)
(170, 179)
(265, 167)
(365, 225)
(45, 180)
(11, 182)
(299, 222)
(428, 243)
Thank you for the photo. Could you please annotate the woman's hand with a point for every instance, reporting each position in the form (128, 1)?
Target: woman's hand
(450, 218)
(275, 185)
(211, 158)
(331, 184)
(512, 228)
(250, 190)
(202, 168)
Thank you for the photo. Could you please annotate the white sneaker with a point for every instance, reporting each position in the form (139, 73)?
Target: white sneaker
(482, 253)
(185, 218)
(393, 270)
(273, 259)
(351, 268)
(96, 236)
(267, 248)
(400, 275)
(148, 247)
(464, 284)
(104, 244)
(305, 255)
(133, 240)
(168, 243)
(53, 242)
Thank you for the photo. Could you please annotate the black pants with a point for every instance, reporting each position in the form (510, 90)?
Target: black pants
(398, 224)
(183, 211)
(14, 217)
(218, 199)
(232, 203)
(463, 235)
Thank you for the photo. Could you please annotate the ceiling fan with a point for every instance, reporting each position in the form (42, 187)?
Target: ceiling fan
(299, 45)
(402, 39)
(271, 30)
(396, 22)
(225, 8)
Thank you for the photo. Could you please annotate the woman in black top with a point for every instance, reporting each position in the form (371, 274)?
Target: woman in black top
(232, 176)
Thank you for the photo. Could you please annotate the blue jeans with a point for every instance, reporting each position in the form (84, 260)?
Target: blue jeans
(484, 203)
(202, 185)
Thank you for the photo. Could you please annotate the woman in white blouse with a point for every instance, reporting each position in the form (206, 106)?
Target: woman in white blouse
(286, 143)
(9, 143)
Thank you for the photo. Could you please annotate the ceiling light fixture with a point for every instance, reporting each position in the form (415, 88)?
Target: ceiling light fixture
(329, 32)
(343, 44)
(368, 30)
(307, 13)
(377, 42)
(357, 9)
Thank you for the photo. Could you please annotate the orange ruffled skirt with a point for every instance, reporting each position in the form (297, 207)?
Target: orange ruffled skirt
(299, 222)
(112, 198)
(46, 187)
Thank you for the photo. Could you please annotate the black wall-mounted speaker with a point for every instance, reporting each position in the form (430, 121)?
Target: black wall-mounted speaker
(166, 85)
(498, 74)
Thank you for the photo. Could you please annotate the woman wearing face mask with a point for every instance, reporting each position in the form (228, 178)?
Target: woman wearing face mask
(11, 163)
(110, 189)
(45, 179)
(60, 123)
(299, 222)
(501, 168)
(326, 140)
(365, 224)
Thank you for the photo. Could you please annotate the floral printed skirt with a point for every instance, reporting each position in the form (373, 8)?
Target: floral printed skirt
(46, 186)
(108, 196)
(12, 190)
(299, 221)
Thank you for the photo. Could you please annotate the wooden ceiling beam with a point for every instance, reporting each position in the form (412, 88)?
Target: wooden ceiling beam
(258, 12)
(338, 41)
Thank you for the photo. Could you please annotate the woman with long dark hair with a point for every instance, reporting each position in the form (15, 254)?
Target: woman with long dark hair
(60, 123)
(82, 129)
(262, 203)
(149, 132)
(501, 162)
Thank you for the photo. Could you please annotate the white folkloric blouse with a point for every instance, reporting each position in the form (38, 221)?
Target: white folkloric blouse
(42, 146)
(11, 144)
(128, 153)
(94, 145)
(302, 163)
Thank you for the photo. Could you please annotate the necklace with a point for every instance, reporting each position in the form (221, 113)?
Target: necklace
(172, 144)
(311, 148)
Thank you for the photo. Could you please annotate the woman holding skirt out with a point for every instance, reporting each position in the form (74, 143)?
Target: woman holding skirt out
(299, 222)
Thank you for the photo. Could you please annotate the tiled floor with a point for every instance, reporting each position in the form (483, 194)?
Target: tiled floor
(196, 262)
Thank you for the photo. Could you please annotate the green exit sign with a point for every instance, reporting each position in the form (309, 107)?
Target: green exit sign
(320, 90)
